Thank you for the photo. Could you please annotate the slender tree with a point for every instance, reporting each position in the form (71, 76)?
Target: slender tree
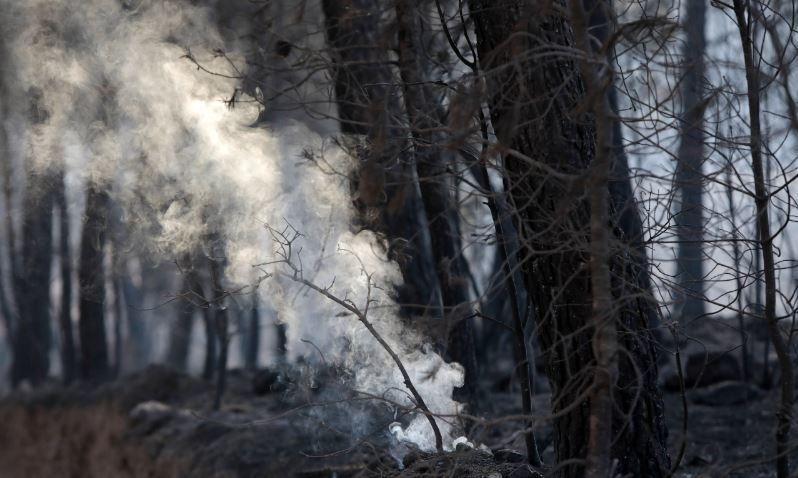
(180, 334)
(68, 352)
(252, 338)
(745, 20)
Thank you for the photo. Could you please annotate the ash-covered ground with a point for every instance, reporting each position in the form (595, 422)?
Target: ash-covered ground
(157, 423)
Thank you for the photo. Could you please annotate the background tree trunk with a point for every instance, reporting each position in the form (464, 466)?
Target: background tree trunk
(32, 334)
(179, 339)
(92, 328)
(689, 299)
(68, 352)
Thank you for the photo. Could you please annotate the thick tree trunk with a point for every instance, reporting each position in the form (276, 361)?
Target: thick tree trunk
(33, 336)
(422, 106)
(689, 299)
(94, 365)
(369, 107)
(535, 103)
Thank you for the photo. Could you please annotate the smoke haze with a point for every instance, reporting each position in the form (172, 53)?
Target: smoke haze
(106, 87)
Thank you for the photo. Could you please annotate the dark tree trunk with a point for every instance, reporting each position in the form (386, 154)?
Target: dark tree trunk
(119, 317)
(218, 303)
(32, 334)
(535, 106)
(195, 280)
(369, 107)
(6, 169)
(432, 163)
(94, 365)
(209, 365)
(252, 337)
(180, 337)
(68, 355)
(689, 299)
(624, 211)
(138, 344)
(282, 340)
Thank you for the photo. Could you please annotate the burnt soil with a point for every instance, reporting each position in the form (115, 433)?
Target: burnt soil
(156, 424)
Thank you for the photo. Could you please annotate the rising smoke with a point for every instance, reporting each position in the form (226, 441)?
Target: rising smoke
(128, 112)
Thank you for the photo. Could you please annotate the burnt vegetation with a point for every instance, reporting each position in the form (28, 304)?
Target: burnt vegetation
(361, 238)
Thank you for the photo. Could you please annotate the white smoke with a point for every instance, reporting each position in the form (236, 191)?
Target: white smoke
(130, 113)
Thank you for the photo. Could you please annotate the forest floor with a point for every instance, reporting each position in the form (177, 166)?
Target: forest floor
(156, 424)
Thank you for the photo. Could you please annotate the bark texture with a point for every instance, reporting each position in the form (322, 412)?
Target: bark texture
(370, 110)
(537, 102)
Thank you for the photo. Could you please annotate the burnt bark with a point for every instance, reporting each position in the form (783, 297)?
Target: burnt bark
(209, 364)
(784, 412)
(436, 184)
(6, 169)
(68, 352)
(180, 334)
(689, 299)
(32, 332)
(369, 108)
(94, 366)
(218, 302)
(549, 140)
(252, 337)
(137, 346)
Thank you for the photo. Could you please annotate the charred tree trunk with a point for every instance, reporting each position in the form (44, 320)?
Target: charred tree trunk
(209, 365)
(689, 300)
(6, 169)
(218, 302)
(369, 107)
(94, 365)
(738, 276)
(119, 317)
(180, 335)
(68, 353)
(281, 331)
(252, 338)
(138, 345)
(624, 211)
(784, 413)
(537, 108)
(32, 334)
(432, 164)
